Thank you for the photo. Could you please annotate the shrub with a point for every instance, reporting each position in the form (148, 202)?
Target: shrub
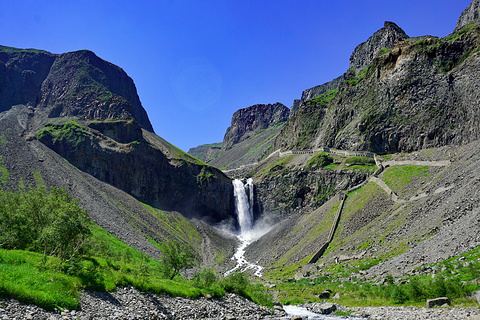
(398, 295)
(236, 282)
(415, 290)
(44, 220)
(204, 279)
(175, 257)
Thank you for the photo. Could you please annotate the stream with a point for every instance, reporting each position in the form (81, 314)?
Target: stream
(244, 197)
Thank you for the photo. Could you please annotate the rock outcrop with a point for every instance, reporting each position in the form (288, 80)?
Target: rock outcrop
(384, 38)
(77, 84)
(205, 152)
(422, 93)
(470, 14)
(316, 91)
(22, 73)
(250, 121)
(88, 111)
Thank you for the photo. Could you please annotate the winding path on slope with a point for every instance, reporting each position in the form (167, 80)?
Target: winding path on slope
(375, 179)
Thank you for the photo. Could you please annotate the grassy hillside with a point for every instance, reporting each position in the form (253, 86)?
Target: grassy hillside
(46, 277)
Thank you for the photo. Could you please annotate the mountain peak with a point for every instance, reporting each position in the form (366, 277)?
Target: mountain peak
(471, 13)
(384, 38)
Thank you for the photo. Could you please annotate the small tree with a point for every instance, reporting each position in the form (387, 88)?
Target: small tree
(175, 258)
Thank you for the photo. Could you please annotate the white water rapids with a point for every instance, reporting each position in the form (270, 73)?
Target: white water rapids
(248, 234)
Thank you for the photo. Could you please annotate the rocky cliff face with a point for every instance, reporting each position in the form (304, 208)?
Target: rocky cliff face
(420, 94)
(363, 55)
(384, 38)
(78, 84)
(121, 155)
(88, 111)
(250, 121)
(205, 152)
(316, 91)
(470, 14)
(22, 73)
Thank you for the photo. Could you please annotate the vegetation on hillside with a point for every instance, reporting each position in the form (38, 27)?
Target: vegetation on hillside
(456, 278)
(50, 251)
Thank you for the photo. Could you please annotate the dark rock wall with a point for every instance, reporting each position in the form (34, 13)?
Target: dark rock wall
(470, 14)
(142, 170)
(76, 84)
(384, 38)
(83, 85)
(249, 121)
(21, 76)
(422, 93)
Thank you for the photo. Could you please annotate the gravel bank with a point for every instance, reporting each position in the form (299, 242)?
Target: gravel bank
(413, 313)
(129, 303)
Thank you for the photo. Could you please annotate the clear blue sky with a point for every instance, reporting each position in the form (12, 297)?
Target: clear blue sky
(195, 62)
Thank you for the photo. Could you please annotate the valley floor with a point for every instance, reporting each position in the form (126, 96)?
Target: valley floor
(129, 303)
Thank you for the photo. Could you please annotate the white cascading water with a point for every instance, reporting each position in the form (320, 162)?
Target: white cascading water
(244, 210)
(243, 206)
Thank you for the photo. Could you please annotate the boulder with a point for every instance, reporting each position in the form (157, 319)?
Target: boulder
(437, 302)
(324, 308)
(325, 294)
(278, 306)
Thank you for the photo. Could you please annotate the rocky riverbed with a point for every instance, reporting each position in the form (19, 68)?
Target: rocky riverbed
(129, 303)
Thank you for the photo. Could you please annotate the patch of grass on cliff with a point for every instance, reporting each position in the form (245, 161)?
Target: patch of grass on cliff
(176, 225)
(397, 178)
(70, 131)
(3, 139)
(4, 174)
(326, 97)
(276, 166)
(320, 160)
(359, 161)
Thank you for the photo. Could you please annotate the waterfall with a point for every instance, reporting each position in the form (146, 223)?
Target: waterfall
(244, 204)
(244, 198)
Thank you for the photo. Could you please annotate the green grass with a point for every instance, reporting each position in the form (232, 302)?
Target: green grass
(106, 263)
(279, 164)
(325, 98)
(4, 174)
(362, 168)
(71, 132)
(359, 161)
(397, 178)
(459, 277)
(23, 276)
(320, 160)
